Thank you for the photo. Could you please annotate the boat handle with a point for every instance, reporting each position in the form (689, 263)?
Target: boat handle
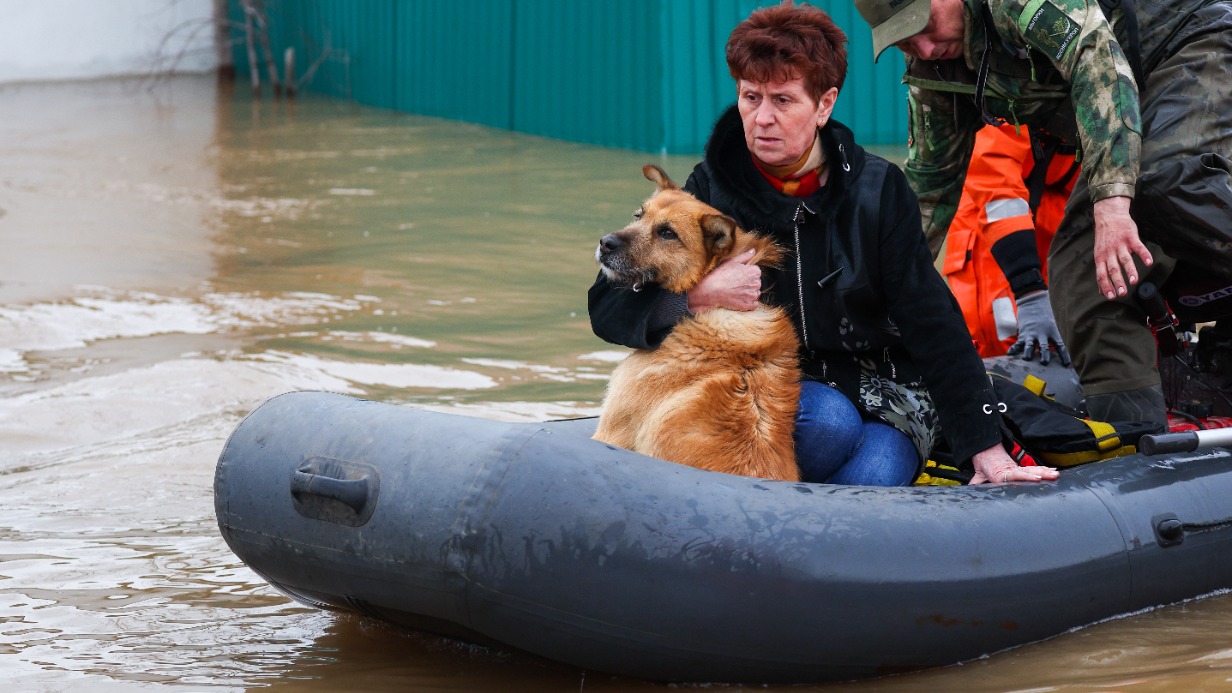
(351, 492)
(1184, 441)
(1169, 530)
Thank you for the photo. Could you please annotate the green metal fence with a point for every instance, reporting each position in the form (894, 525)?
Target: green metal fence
(639, 74)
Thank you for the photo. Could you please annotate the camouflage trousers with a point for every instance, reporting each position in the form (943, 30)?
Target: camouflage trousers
(1187, 135)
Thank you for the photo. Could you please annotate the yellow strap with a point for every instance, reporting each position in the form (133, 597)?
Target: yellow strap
(926, 479)
(1034, 384)
(1070, 459)
(1106, 437)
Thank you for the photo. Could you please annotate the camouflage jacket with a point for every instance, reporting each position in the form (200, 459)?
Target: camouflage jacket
(1052, 64)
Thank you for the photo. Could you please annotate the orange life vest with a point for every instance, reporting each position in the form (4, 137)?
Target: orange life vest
(996, 202)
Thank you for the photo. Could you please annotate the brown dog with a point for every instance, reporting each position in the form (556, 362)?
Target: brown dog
(721, 391)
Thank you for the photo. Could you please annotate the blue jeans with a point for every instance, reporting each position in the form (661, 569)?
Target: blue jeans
(835, 445)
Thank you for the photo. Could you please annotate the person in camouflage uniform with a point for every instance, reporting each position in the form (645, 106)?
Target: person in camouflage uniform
(1146, 101)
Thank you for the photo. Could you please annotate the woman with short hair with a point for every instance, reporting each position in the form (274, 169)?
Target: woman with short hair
(887, 363)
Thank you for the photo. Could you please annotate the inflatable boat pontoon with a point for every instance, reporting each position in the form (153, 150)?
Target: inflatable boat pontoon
(538, 538)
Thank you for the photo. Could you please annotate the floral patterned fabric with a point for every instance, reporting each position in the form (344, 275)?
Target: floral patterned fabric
(907, 407)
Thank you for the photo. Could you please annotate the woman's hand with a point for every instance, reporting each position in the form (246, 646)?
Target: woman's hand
(994, 465)
(1116, 242)
(734, 284)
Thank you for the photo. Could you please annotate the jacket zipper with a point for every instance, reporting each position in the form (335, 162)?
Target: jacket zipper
(800, 273)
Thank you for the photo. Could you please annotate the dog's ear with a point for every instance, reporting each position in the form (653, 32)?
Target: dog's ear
(658, 176)
(719, 232)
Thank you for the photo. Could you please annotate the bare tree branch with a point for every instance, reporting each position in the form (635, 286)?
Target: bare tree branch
(254, 32)
(254, 73)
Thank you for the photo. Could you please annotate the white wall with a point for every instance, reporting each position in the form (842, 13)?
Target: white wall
(78, 39)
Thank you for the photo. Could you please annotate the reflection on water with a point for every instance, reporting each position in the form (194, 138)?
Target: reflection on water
(469, 247)
(175, 256)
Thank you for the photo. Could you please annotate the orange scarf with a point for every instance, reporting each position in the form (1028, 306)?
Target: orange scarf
(800, 178)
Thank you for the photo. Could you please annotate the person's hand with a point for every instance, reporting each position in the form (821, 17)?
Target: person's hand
(994, 465)
(1037, 329)
(734, 284)
(1116, 244)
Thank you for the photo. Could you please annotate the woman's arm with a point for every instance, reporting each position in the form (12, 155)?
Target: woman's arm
(623, 316)
(640, 319)
(995, 466)
(932, 326)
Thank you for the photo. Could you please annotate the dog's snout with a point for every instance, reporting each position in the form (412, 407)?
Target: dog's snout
(610, 243)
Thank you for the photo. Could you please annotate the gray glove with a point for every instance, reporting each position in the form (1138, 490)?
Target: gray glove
(1037, 328)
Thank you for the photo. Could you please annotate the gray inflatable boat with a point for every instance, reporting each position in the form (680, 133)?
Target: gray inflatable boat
(535, 537)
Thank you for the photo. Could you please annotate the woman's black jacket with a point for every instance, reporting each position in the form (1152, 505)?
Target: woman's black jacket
(858, 264)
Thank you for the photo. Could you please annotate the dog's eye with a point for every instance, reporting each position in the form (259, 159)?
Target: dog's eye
(665, 232)
(638, 214)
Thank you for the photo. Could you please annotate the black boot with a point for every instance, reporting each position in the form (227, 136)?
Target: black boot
(1145, 404)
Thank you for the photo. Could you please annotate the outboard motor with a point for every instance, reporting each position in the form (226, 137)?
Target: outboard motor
(1191, 317)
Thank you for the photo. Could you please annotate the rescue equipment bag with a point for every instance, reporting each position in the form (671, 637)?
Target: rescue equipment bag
(1055, 434)
(1039, 430)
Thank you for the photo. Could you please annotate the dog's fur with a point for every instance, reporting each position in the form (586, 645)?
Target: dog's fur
(721, 391)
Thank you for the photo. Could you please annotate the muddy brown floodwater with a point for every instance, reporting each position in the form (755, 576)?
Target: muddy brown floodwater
(174, 254)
